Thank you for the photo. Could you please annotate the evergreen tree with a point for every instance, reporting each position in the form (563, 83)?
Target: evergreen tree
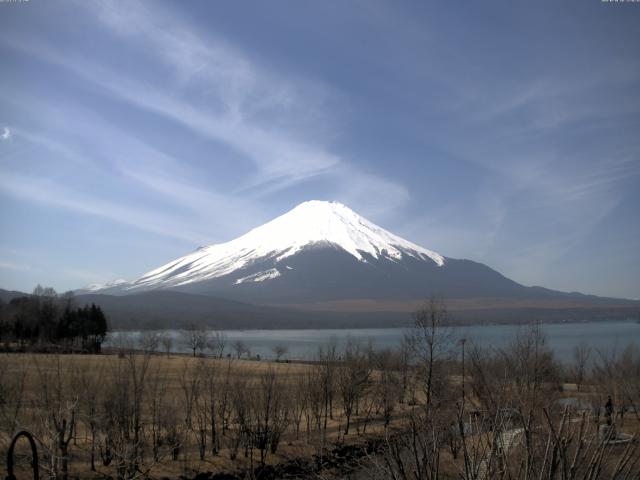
(46, 319)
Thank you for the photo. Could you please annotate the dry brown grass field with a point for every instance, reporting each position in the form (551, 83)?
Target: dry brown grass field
(409, 413)
(76, 384)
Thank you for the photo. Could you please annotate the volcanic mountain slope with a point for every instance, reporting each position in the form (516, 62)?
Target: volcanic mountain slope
(324, 252)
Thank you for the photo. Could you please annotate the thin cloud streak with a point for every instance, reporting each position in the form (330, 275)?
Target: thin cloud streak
(153, 171)
(282, 160)
(235, 79)
(46, 193)
(202, 123)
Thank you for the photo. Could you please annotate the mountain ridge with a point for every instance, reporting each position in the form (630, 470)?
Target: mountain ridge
(162, 309)
(323, 253)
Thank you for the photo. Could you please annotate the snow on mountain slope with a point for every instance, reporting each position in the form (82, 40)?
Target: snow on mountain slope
(260, 276)
(309, 224)
(94, 287)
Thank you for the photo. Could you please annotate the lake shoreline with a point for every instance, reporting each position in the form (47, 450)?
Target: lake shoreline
(390, 326)
(303, 344)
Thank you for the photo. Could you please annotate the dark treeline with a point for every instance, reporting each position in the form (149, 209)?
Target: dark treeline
(47, 321)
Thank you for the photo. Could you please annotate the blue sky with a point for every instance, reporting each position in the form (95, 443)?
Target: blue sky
(503, 132)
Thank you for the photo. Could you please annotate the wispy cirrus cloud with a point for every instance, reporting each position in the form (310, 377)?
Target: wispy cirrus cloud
(213, 90)
(55, 163)
(223, 94)
(515, 149)
(53, 194)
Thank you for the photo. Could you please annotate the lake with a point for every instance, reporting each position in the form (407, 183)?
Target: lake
(303, 344)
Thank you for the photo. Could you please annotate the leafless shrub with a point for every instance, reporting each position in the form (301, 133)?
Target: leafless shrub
(123, 402)
(57, 412)
(167, 344)
(241, 348)
(353, 378)
(581, 355)
(12, 387)
(150, 342)
(279, 351)
(217, 344)
(389, 387)
(270, 414)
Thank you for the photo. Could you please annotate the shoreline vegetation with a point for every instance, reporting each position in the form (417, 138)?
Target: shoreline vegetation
(435, 407)
(47, 322)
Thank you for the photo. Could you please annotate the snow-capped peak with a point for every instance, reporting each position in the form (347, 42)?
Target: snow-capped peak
(310, 223)
(318, 221)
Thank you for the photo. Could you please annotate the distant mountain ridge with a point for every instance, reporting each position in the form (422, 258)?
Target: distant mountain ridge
(161, 309)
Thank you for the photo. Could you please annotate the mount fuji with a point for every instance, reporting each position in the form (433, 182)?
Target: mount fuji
(321, 265)
(323, 257)
(329, 233)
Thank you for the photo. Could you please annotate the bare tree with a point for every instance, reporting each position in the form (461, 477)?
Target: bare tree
(158, 408)
(167, 343)
(519, 432)
(150, 341)
(135, 413)
(404, 355)
(57, 412)
(616, 374)
(202, 410)
(270, 413)
(240, 347)
(12, 388)
(326, 378)
(279, 351)
(212, 386)
(190, 384)
(217, 344)
(417, 454)
(388, 386)
(123, 423)
(629, 374)
(90, 383)
(314, 382)
(353, 378)
(224, 410)
(239, 400)
(431, 342)
(195, 338)
(299, 402)
(581, 354)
